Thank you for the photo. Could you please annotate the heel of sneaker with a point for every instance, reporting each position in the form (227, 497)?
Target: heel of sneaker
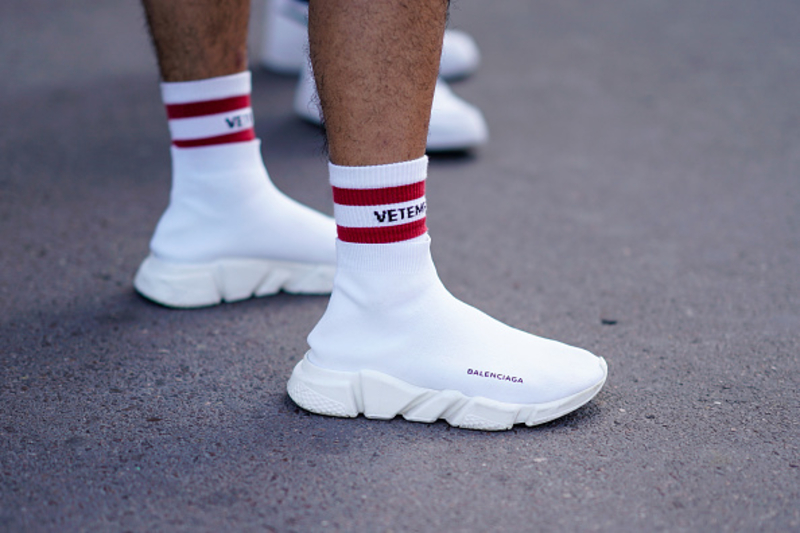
(325, 392)
(348, 394)
(173, 285)
(204, 284)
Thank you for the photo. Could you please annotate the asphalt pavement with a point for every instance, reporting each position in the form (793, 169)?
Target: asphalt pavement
(640, 197)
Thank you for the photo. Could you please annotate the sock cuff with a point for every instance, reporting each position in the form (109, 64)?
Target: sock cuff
(379, 176)
(209, 112)
(380, 204)
(407, 257)
(183, 92)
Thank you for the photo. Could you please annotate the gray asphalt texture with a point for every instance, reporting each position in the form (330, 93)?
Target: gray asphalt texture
(640, 197)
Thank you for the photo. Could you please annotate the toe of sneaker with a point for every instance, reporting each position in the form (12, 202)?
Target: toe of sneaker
(563, 373)
(584, 370)
(460, 55)
(455, 124)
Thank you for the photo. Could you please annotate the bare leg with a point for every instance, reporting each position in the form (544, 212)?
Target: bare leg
(375, 64)
(198, 39)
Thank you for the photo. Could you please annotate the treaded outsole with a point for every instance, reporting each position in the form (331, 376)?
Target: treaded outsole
(380, 396)
(204, 284)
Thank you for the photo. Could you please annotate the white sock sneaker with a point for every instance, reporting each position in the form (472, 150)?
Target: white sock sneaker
(285, 42)
(460, 55)
(228, 232)
(394, 341)
(284, 45)
(455, 124)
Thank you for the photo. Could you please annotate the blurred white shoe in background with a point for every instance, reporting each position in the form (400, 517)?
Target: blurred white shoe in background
(285, 42)
(455, 124)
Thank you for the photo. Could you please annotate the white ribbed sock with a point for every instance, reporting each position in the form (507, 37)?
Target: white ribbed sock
(209, 112)
(380, 204)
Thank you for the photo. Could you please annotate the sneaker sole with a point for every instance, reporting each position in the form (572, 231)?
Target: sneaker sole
(229, 280)
(380, 396)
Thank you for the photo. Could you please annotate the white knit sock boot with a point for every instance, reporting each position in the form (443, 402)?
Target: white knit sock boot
(228, 232)
(394, 341)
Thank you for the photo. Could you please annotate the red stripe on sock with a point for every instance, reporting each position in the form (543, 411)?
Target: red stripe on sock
(239, 136)
(387, 195)
(208, 107)
(383, 235)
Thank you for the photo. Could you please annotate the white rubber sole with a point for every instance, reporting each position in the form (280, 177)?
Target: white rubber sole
(377, 395)
(230, 280)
